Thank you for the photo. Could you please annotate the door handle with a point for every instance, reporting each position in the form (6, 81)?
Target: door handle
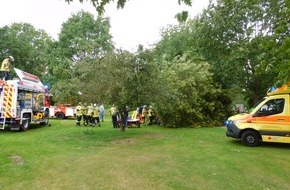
(281, 119)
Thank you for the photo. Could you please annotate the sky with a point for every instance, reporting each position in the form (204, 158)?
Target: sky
(140, 22)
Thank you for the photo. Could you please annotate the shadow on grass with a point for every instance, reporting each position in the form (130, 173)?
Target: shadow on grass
(262, 145)
(32, 126)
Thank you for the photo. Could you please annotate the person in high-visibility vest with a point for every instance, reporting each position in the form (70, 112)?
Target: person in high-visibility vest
(145, 114)
(114, 114)
(79, 113)
(5, 67)
(89, 115)
(96, 116)
(84, 112)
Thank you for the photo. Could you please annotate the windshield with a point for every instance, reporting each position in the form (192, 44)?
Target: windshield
(256, 104)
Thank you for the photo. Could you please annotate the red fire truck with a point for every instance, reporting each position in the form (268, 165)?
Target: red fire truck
(62, 111)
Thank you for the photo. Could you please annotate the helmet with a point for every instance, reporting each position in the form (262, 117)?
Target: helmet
(11, 58)
(95, 105)
(80, 103)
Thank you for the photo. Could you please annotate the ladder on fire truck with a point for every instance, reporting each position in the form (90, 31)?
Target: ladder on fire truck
(5, 103)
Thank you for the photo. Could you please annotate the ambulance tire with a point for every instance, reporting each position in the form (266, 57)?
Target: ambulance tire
(251, 138)
(26, 122)
(59, 115)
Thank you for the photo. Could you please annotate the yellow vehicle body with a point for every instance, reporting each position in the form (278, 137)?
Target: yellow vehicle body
(269, 121)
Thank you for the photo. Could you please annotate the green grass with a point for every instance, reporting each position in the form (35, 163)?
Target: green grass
(64, 156)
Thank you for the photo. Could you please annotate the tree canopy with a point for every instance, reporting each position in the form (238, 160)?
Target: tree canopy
(100, 4)
(193, 76)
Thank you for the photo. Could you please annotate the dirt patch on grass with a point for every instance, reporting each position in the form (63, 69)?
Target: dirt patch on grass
(16, 159)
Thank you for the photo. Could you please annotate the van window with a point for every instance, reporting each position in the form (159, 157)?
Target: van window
(271, 107)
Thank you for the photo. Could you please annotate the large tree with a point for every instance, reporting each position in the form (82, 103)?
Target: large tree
(246, 43)
(84, 42)
(187, 94)
(29, 47)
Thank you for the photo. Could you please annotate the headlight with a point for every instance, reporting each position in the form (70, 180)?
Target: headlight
(228, 122)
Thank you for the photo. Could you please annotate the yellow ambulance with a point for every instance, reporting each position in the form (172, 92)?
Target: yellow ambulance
(269, 121)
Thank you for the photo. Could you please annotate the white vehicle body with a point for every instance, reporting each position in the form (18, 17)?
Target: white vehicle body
(22, 101)
(62, 111)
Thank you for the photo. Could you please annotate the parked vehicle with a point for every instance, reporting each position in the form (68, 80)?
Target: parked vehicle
(23, 101)
(62, 111)
(269, 121)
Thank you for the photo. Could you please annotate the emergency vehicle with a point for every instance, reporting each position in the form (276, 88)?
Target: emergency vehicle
(23, 101)
(62, 111)
(269, 121)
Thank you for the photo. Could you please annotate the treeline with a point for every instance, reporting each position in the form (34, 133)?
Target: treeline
(231, 53)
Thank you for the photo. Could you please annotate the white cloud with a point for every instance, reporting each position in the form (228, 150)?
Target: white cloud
(138, 23)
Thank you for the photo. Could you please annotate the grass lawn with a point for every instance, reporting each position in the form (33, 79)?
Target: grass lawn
(64, 156)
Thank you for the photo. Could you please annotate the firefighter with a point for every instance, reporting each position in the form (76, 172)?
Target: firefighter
(89, 115)
(5, 67)
(96, 117)
(145, 114)
(79, 113)
(84, 113)
(151, 115)
(114, 114)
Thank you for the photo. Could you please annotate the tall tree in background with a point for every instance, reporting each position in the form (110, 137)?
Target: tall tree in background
(83, 43)
(131, 78)
(84, 37)
(28, 46)
(241, 41)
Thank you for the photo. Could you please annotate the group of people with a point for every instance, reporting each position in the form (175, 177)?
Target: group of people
(119, 117)
(144, 113)
(6, 67)
(90, 114)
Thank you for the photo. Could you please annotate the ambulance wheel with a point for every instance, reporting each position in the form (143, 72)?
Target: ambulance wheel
(251, 138)
(59, 115)
(26, 122)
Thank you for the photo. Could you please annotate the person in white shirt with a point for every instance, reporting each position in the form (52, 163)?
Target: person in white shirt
(102, 112)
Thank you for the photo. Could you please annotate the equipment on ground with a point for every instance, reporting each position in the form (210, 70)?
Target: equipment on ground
(23, 101)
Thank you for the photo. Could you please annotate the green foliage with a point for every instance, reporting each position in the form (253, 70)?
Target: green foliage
(188, 96)
(28, 46)
(233, 52)
(131, 78)
(181, 17)
(244, 43)
(84, 37)
(100, 4)
(83, 44)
